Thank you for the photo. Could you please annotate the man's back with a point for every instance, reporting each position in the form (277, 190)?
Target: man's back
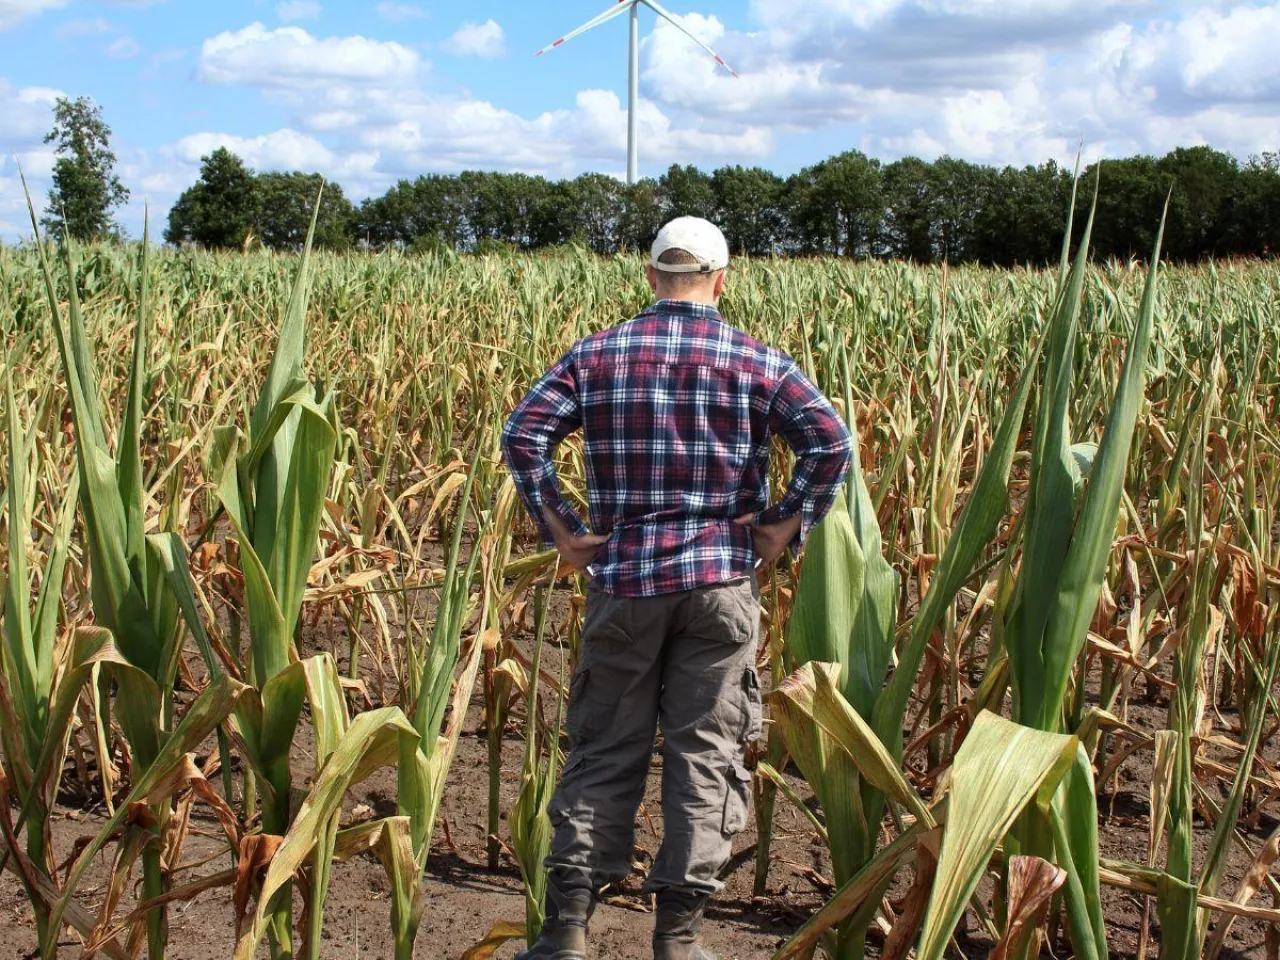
(676, 408)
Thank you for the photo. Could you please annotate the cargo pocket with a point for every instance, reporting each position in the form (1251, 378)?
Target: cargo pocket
(737, 797)
(753, 705)
(727, 613)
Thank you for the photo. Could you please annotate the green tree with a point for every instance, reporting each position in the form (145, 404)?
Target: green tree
(1203, 183)
(85, 187)
(908, 195)
(1131, 197)
(428, 210)
(642, 216)
(598, 208)
(1020, 219)
(686, 192)
(285, 202)
(837, 206)
(749, 208)
(1256, 207)
(220, 208)
(960, 189)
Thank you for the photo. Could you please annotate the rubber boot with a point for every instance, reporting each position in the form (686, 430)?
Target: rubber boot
(675, 931)
(564, 932)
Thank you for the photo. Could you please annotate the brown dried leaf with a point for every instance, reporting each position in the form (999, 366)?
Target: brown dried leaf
(1032, 884)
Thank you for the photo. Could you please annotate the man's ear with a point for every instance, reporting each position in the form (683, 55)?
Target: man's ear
(652, 276)
(719, 288)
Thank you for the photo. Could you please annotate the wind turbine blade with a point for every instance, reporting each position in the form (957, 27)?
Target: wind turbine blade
(661, 11)
(621, 7)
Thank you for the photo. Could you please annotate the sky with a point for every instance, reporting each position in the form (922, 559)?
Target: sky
(368, 93)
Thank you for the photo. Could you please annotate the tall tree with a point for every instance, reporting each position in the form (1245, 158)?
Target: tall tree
(598, 202)
(1020, 219)
(85, 187)
(959, 191)
(1131, 197)
(686, 192)
(908, 226)
(1203, 182)
(1256, 208)
(285, 203)
(219, 209)
(837, 206)
(641, 216)
(749, 208)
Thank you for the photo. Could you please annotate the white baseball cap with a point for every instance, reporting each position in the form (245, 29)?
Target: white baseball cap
(699, 238)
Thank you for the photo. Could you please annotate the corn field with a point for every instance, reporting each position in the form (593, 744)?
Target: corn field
(259, 550)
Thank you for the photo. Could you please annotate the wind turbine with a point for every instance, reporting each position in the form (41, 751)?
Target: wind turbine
(633, 86)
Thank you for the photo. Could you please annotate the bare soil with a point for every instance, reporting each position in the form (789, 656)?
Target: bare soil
(465, 899)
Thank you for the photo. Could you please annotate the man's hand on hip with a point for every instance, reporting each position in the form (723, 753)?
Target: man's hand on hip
(771, 539)
(576, 549)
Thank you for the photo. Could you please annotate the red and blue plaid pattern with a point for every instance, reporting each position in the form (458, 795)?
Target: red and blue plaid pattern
(677, 409)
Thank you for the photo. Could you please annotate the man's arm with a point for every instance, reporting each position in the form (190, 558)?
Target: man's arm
(816, 434)
(548, 413)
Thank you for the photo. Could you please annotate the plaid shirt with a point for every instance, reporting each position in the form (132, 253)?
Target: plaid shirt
(677, 409)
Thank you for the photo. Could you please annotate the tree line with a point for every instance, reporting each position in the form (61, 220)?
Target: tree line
(848, 205)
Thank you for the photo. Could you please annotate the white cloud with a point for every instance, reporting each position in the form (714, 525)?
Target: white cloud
(279, 150)
(290, 10)
(394, 12)
(997, 81)
(451, 134)
(26, 115)
(123, 48)
(484, 40)
(289, 57)
(13, 11)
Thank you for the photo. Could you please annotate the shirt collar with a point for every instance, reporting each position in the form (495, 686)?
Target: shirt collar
(685, 308)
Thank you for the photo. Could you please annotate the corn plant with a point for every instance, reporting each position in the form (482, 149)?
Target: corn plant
(422, 747)
(529, 820)
(272, 489)
(140, 585)
(34, 714)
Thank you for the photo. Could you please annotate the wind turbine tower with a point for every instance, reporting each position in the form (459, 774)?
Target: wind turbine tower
(632, 7)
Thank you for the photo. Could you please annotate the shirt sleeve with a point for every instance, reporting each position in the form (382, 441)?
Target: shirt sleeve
(818, 437)
(548, 413)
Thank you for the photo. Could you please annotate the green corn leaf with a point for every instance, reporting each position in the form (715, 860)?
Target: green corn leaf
(288, 557)
(129, 463)
(376, 731)
(1073, 816)
(267, 624)
(979, 518)
(830, 593)
(21, 661)
(998, 770)
(1076, 598)
(809, 696)
(286, 361)
(330, 720)
(171, 556)
(871, 643)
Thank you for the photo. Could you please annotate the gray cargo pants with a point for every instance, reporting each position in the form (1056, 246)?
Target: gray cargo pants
(685, 660)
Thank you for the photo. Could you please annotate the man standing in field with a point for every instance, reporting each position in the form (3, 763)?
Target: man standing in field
(677, 409)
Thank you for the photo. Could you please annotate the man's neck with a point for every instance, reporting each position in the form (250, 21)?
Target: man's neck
(704, 300)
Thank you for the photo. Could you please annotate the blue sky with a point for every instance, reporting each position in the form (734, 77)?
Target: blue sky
(368, 93)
